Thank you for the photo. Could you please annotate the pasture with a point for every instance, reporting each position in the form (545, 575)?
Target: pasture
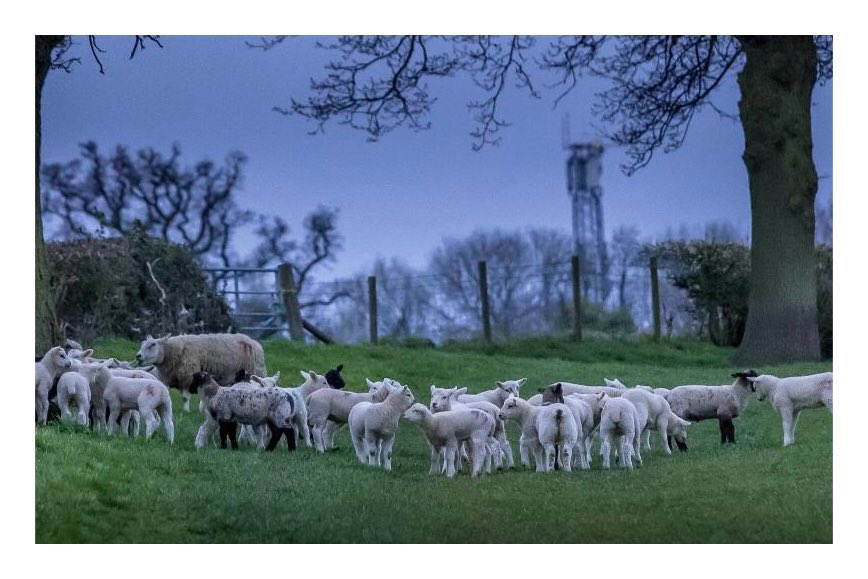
(96, 488)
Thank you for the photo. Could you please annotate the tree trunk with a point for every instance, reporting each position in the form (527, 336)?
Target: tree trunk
(775, 109)
(46, 323)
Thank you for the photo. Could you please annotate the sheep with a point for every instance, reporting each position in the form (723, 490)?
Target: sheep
(700, 402)
(74, 386)
(569, 388)
(620, 418)
(583, 414)
(226, 406)
(541, 428)
(656, 414)
(373, 424)
(50, 366)
(443, 399)
(329, 408)
(221, 355)
(312, 383)
(789, 396)
(496, 395)
(144, 395)
(446, 429)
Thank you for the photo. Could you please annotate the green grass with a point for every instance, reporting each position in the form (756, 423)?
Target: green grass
(93, 488)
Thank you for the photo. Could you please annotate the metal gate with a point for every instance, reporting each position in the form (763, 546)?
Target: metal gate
(240, 286)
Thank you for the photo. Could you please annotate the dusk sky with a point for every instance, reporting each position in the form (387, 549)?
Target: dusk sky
(402, 195)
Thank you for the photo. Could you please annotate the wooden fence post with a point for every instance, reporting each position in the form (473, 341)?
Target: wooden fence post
(655, 298)
(483, 296)
(577, 299)
(372, 307)
(289, 294)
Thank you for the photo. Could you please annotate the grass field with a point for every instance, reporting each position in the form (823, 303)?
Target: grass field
(94, 488)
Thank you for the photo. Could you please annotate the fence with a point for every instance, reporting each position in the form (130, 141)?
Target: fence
(470, 301)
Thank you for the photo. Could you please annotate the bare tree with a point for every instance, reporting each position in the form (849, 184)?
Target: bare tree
(51, 55)
(117, 193)
(658, 84)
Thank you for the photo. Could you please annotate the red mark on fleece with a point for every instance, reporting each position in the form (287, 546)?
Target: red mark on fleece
(149, 389)
(247, 350)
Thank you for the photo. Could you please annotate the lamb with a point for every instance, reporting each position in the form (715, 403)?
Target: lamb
(49, 367)
(144, 395)
(226, 406)
(541, 428)
(620, 418)
(569, 388)
(373, 426)
(699, 402)
(496, 395)
(789, 396)
(446, 429)
(74, 386)
(331, 408)
(656, 414)
(220, 355)
(312, 383)
(443, 399)
(583, 414)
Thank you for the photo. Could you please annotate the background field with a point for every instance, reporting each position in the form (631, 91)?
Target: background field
(94, 488)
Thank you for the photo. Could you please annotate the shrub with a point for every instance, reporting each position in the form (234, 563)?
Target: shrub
(103, 287)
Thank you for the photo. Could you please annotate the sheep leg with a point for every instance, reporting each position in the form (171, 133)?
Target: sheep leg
(663, 429)
(300, 421)
(548, 455)
(224, 433)
(506, 449)
(523, 452)
(626, 453)
(647, 436)
(727, 429)
(606, 450)
(826, 399)
(205, 431)
(63, 403)
(114, 411)
(435, 460)
(478, 456)
(150, 425)
(276, 433)
(386, 451)
(373, 449)
(186, 396)
(566, 457)
(316, 429)
(789, 426)
(165, 415)
(291, 438)
(451, 454)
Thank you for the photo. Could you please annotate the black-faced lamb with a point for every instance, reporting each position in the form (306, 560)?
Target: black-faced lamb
(177, 358)
(789, 396)
(227, 406)
(700, 402)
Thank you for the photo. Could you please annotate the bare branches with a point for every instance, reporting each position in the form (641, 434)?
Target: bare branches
(266, 43)
(140, 43)
(824, 58)
(147, 191)
(570, 56)
(659, 83)
(154, 278)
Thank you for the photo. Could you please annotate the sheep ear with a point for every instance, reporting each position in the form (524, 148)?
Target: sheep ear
(314, 375)
(339, 368)
(87, 353)
(461, 391)
(164, 338)
(541, 389)
(149, 337)
(433, 387)
(499, 384)
(276, 377)
(370, 384)
(256, 379)
(521, 382)
(304, 375)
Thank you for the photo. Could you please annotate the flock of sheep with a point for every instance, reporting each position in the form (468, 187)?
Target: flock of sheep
(558, 424)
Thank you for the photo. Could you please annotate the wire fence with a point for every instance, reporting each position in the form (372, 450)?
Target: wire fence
(523, 300)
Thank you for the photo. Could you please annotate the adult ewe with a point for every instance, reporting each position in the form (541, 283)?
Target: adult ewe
(221, 355)
(789, 396)
(699, 402)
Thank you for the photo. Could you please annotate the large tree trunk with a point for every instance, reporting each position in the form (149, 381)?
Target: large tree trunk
(46, 324)
(775, 108)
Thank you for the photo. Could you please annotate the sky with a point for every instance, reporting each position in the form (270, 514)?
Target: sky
(402, 195)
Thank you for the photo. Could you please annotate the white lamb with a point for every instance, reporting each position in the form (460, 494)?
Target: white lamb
(373, 425)
(583, 414)
(543, 427)
(499, 449)
(145, 395)
(569, 388)
(497, 395)
(700, 402)
(655, 414)
(328, 409)
(53, 364)
(445, 430)
(789, 396)
(74, 387)
(620, 419)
